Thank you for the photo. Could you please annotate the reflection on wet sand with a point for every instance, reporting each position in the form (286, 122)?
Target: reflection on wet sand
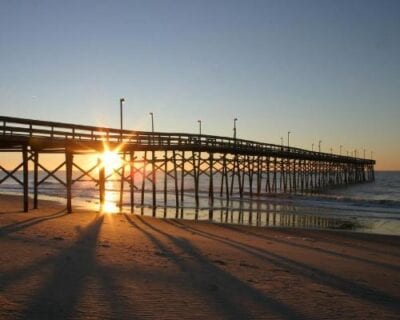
(253, 214)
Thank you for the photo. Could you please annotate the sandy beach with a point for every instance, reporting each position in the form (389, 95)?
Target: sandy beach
(87, 265)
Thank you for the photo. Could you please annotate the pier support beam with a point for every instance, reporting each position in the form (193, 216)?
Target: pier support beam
(68, 165)
(121, 187)
(25, 178)
(102, 185)
(132, 179)
(35, 179)
(153, 181)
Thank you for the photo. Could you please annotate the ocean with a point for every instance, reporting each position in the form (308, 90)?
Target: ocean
(370, 207)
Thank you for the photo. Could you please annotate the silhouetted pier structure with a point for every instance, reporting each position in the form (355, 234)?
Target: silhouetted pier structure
(245, 168)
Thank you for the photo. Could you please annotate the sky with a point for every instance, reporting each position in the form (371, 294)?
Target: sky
(323, 70)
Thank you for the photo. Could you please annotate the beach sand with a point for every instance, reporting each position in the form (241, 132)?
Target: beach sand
(87, 265)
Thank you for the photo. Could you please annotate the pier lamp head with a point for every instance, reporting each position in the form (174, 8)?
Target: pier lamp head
(122, 100)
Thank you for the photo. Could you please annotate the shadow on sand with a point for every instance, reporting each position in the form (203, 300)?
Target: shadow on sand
(316, 275)
(223, 292)
(17, 226)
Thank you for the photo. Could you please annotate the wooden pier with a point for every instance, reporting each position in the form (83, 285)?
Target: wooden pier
(233, 167)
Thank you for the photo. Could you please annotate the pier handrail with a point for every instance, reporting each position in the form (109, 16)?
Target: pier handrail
(66, 131)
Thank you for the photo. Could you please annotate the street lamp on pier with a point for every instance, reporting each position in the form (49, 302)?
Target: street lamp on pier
(152, 121)
(121, 101)
(234, 128)
(288, 137)
(319, 145)
(199, 121)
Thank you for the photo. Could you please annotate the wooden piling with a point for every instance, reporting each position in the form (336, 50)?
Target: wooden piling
(144, 178)
(165, 181)
(35, 179)
(102, 185)
(132, 179)
(25, 178)
(196, 177)
(68, 171)
(175, 182)
(122, 181)
(211, 179)
(153, 181)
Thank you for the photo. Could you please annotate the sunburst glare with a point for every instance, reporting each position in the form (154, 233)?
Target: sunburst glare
(112, 162)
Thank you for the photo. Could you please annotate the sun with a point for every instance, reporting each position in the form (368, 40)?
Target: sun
(111, 160)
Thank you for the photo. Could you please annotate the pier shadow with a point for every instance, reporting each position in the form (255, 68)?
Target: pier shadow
(224, 292)
(12, 212)
(315, 274)
(20, 225)
(321, 250)
(354, 240)
(60, 293)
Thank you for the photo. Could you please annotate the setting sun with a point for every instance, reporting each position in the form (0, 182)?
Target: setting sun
(111, 160)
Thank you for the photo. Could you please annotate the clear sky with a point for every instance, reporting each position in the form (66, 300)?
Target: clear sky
(325, 70)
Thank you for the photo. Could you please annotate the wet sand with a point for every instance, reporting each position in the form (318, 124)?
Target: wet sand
(88, 265)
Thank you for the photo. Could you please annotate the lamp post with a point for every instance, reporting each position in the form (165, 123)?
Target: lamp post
(282, 141)
(364, 153)
(312, 147)
(355, 153)
(121, 101)
(340, 148)
(234, 128)
(319, 145)
(199, 121)
(288, 136)
(331, 150)
(152, 121)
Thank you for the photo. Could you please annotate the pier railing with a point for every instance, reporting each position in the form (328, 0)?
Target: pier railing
(58, 131)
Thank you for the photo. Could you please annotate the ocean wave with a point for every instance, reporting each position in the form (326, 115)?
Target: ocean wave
(384, 203)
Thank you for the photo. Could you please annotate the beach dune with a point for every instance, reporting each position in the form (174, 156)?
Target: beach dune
(88, 265)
